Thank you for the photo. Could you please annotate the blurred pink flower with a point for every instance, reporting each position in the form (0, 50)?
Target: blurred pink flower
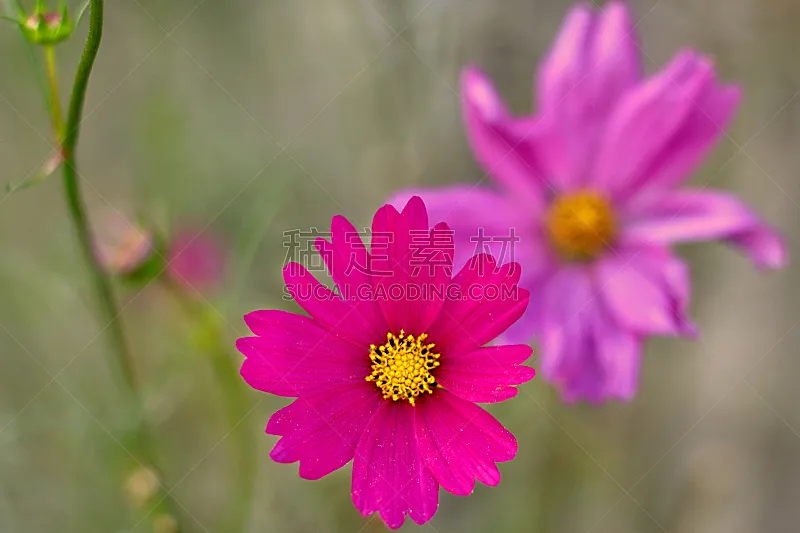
(195, 259)
(390, 382)
(589, 186)
(120, 245)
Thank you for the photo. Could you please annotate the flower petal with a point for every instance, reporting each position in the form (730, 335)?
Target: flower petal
(566, 299)
(322, 427)
(696, 215)
(485, 301)
(646, 291)
(460, 442)
(646, 120)
(619, 354)
(585, 353)
(411, 266)
(564, 95)
(482, 220)
(389, 476)
(488, 374)
(293, 354)
(713, 110)
(592, 64)
(501, 145)
(615, 57)
(562, 72)
(529, 325)
(349, 263)
(327, 308)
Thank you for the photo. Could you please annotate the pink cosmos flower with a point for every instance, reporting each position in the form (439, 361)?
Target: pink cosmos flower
(388, 379)
(590, 188)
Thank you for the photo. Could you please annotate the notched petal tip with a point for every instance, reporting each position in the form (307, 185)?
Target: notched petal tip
(526, 374)
(243, 344)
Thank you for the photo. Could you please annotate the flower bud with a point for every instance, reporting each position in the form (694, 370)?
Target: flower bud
(125, 249)
(140, 487)
(45, 26)
(165, 523)
(196, 259)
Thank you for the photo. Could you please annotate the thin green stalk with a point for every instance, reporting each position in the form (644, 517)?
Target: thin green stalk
(75, 205)
(108, 304)
(54, 100)
(237, 406)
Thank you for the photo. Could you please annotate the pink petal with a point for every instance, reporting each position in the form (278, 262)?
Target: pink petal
(293, 354)
(322, 427)
(349, 263)
(329, 309)
(646, 291)
(592, 64)
(486, 301)
(585, 353)
(500, 146)
(412, 266)
(696, 215)
(646, 120)
(563, 72)
(614, 56)
(482, 221)
(619, 354)
(486, 375)
(389, 476)
(564, 96)
(713, 111)
(460, 442)
(529, 325)
(567, 299)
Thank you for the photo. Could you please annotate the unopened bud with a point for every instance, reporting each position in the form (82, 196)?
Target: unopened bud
(126, 249)
(45, 26)
(165, 524)
(141, 486)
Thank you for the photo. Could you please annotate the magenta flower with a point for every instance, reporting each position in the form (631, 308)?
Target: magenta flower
(589, 187)
(195, 259)
(386, 377)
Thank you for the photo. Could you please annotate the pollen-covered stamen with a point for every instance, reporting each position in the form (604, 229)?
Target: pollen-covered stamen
(581, 225)
(401, 368)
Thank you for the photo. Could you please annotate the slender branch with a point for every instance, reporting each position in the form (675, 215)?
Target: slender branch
(109, 309)
(75, 202)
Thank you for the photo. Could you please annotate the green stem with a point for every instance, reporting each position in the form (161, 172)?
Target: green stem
(108, 304)
(75, 202)
(237, 406)
(54, 101)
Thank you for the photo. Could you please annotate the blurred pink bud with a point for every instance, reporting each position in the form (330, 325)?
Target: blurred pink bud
(120, 245)
(196, 259)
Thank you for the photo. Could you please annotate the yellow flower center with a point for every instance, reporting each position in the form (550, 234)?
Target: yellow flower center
(401, 368)
(581, 225)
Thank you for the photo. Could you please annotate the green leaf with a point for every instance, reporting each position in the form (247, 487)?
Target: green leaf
(81, 13)
(47, 169)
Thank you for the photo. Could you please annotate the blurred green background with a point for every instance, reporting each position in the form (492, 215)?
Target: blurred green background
(258, 117)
